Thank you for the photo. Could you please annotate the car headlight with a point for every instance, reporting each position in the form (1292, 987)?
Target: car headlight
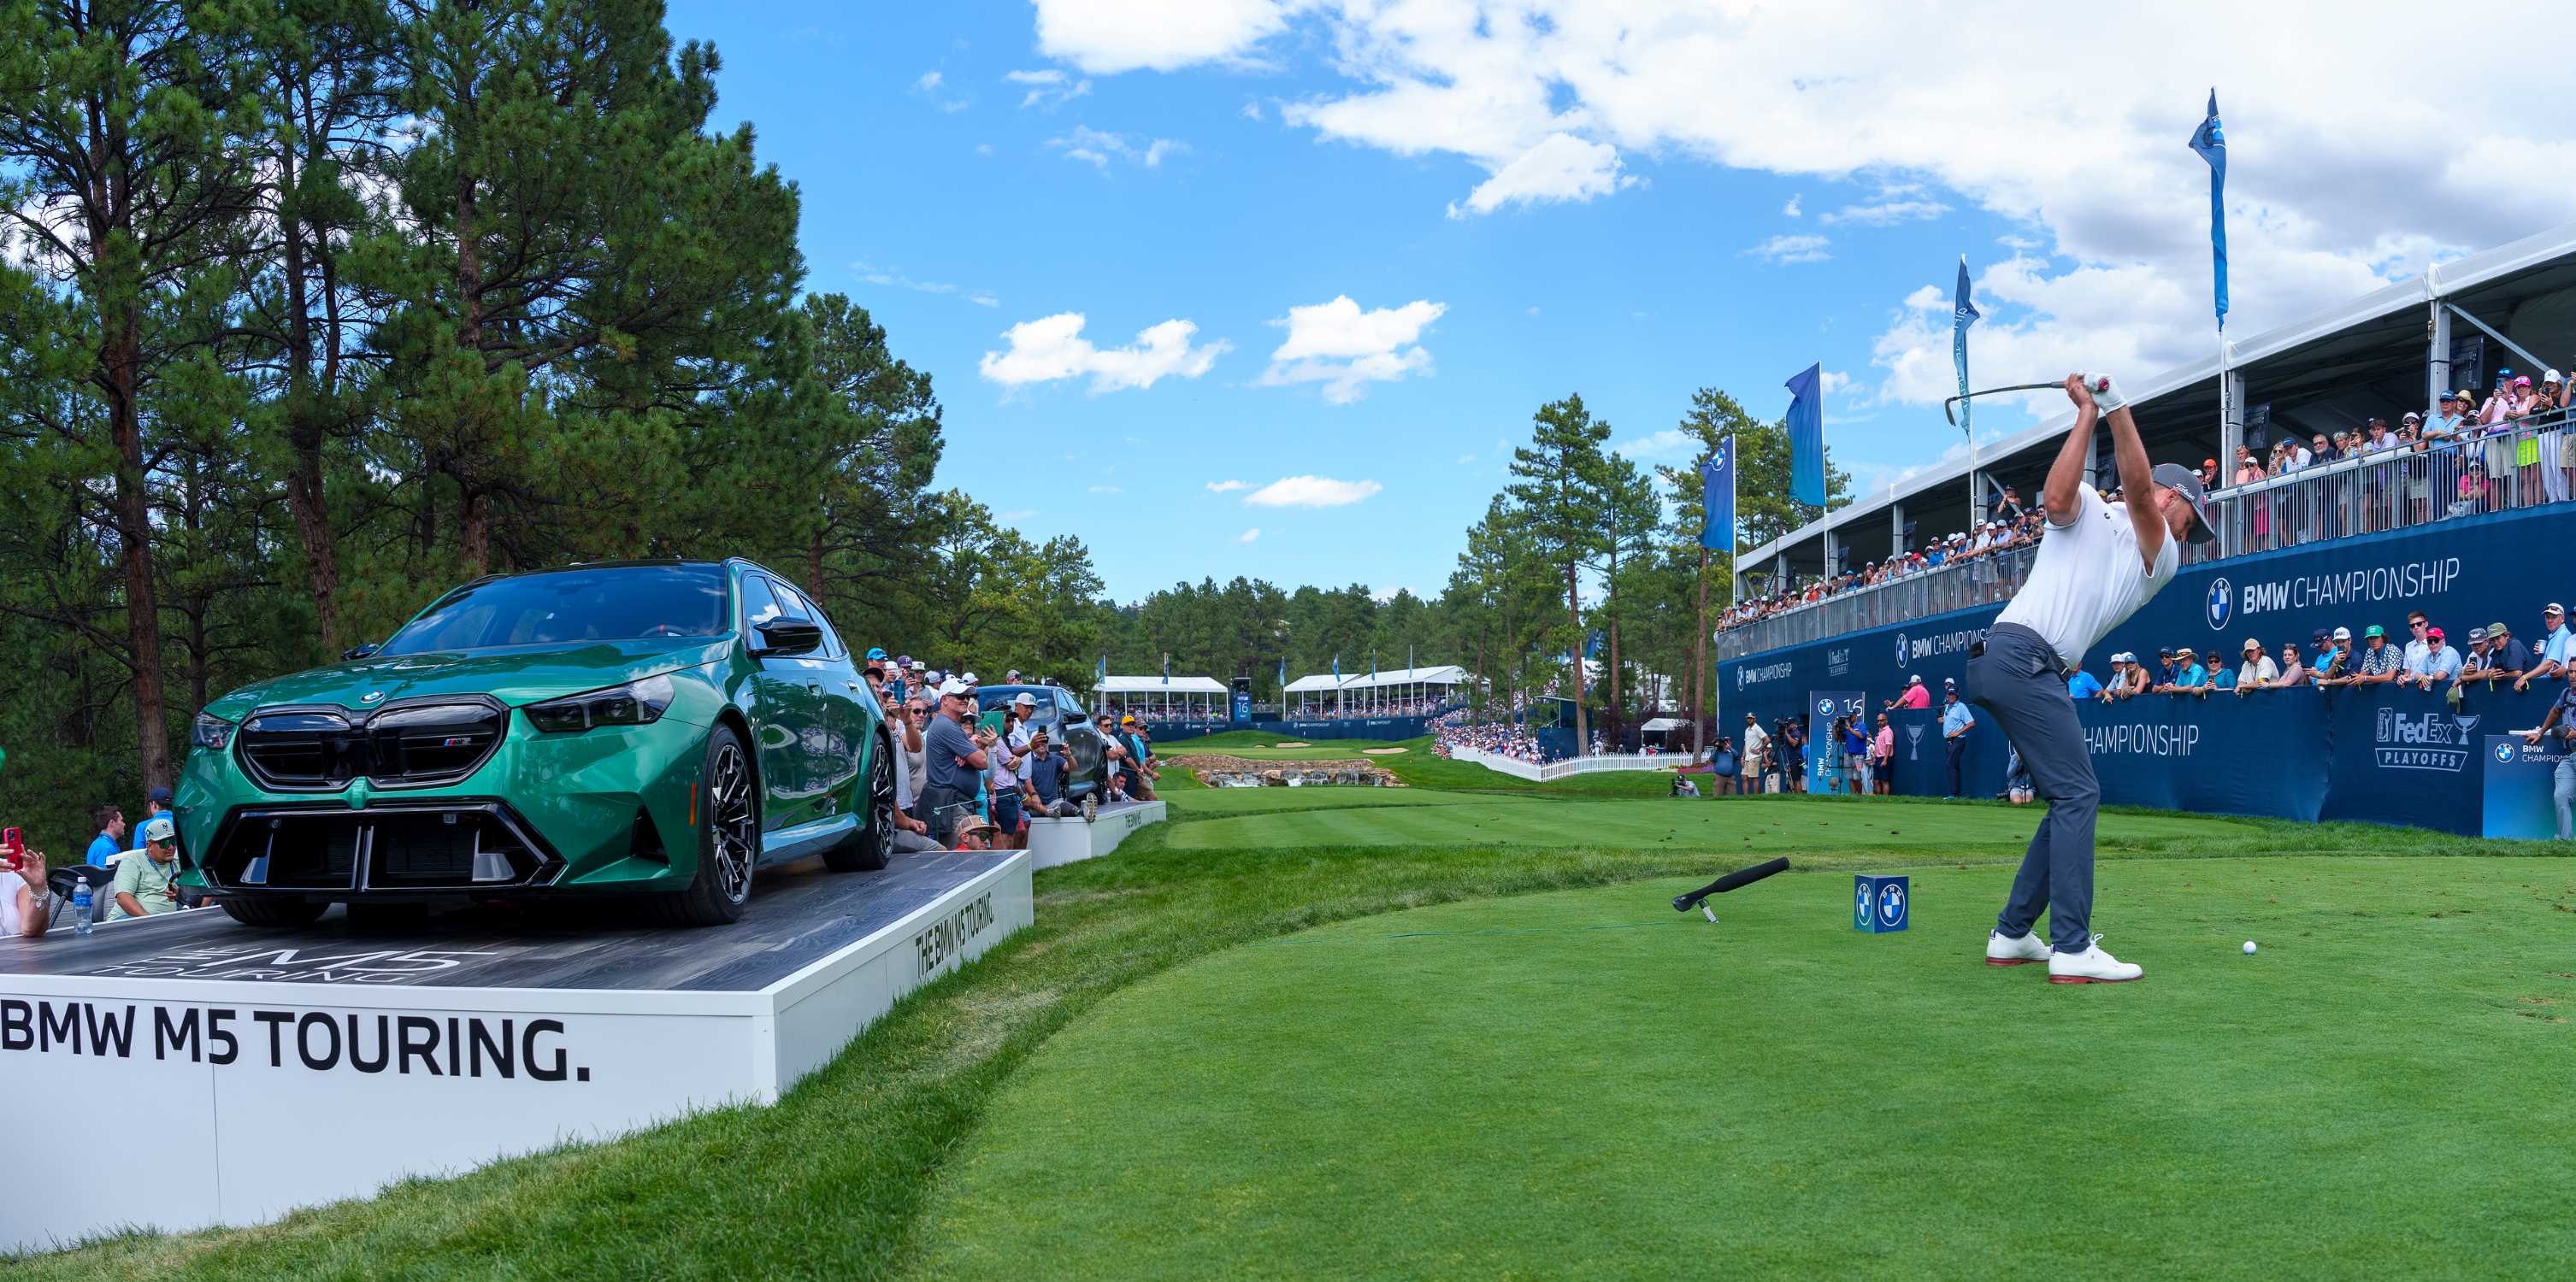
(210, 732)
(636, 703)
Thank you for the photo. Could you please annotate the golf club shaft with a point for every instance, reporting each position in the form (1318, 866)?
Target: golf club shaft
(1738, 879)
(1949, 408)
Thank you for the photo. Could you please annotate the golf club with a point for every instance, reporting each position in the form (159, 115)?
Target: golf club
(1950, 407)
(1736, 880)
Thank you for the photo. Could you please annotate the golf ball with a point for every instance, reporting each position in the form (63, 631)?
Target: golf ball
(2249, 948)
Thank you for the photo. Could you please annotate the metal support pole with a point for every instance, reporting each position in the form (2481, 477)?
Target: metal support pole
(1895, 528)
(2534, 362)
(2437, 361)
(2231, 422)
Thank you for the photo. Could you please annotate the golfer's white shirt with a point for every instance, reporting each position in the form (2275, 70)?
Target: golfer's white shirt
(2087, 578)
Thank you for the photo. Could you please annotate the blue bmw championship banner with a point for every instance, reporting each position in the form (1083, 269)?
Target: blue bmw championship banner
(1807, 436)
(2517, 783)
(1717, 498)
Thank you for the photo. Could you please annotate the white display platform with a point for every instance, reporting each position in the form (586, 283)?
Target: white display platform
(1068, 841)
(291, 1068)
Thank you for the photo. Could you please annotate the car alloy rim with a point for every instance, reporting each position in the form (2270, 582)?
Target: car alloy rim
(729, 809)
(881, 798)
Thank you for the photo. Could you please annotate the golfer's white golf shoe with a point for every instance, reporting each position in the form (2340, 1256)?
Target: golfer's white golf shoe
(2022, 951)
(2092, 966)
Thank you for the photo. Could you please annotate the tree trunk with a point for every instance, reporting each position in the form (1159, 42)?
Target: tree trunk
(814, 567)
(1574, 607)
(474, 534)
(1617, 713)
(304, 430)
(1699, 664)
(134, 539)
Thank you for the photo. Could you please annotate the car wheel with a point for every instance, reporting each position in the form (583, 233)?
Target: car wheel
(281, 914)
(728, 838)
(872, 846)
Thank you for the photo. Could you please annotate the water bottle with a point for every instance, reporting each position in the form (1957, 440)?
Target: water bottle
(80, 907)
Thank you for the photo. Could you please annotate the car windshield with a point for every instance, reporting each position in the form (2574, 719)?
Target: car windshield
(622, 603)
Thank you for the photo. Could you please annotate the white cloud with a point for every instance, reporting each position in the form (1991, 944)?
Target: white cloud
(1311, 491)
(1672, 442)
(893, 278)
(1252, 110)
(983, 149)
(1052, 348)
(1227, 487)
(1106, 489)
(1049, 88)
(1345, 349)
(1099, 148)
(1531, 310)
(1832, 381)
(929, 85)
(1560, 167)
(1790, 210)
(1159, 35)
(1783, 250)
(1895, 203)
(2335, 189)
(1464, 459)
(928, 82)
(1250, 535)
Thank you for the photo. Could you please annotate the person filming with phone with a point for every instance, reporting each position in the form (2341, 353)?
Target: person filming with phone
(26, 906)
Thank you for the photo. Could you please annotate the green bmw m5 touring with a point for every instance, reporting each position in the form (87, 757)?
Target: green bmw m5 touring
(661, 729)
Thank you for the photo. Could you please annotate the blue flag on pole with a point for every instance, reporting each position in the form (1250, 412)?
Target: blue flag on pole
(1717, 498)
(1807, 437)
(2211, 142)
(1283, 675)
(1962, 314)
(1167, 667)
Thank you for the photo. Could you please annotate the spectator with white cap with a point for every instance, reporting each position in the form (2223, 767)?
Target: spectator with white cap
(1915, 696)
(2554, 641)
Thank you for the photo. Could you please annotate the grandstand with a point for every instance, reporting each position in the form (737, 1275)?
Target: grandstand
(2469, 530)
(1163, 700)
(1408, 692)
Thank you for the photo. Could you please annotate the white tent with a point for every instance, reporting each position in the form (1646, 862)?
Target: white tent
(1154, 697)
(1394, 691)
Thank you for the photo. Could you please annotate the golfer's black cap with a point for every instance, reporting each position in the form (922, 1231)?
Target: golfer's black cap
(2175, 476)
(2165, 652)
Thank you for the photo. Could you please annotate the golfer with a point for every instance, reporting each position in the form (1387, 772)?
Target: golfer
(2095, 568)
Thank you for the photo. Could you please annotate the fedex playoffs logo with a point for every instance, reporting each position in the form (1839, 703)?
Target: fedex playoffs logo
(2423, 740)
(2220, 605)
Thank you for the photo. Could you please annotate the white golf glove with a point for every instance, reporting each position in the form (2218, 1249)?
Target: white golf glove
(2106, 394)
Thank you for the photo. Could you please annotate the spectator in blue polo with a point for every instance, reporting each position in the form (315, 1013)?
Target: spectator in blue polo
(2552, 648)
(2441, 660)
(2192, 678)
(1956, 721)
(110, 840)
(2081, 685)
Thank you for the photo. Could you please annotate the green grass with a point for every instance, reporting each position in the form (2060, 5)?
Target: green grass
(838, 1179)
(1583, 1084)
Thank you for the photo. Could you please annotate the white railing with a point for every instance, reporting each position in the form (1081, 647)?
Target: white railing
(1555, 770)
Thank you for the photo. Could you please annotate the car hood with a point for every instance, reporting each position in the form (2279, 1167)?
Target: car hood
(515, 675)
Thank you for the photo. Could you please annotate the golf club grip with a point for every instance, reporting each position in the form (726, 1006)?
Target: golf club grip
(1735, 880)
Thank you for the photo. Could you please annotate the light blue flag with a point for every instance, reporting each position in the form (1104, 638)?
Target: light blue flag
(2211, 142)
(1962, 314)
(1807, 437)
(1717, 498)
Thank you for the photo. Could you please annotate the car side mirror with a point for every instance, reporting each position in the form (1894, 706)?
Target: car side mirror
(788, 635)
(359, 651)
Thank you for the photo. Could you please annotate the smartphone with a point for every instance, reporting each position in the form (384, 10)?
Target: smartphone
(13, 850)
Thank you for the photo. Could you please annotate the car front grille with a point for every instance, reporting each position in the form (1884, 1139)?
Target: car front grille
(415, 846)
(402, 745)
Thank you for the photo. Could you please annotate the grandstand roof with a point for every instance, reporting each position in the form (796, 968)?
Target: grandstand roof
(1447, 674)
(1149, 685)
(2351, 341)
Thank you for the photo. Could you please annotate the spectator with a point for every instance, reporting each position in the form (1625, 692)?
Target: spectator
(2221, 676)
(956, 758)
(110, 841)
(1757, 745)
(1723, 767)
(2379, 662)
(2248, 471)
(2208, 474)
(26, 906)
(2017, 783)
(2506, 656)
(2187, 674)
(1050, 769)
(1956, 721)
(2552, 657)
(2081, 685)
(974, 832)
(156, 803)
(1140, 769)
(2562, 717)
(2167, 673)
(1682, 785)
(2441, 660)
(2333, 654)
(1002, 777)
(2258, 670)
(2410, 661)
(1882, 755)
(1855, 745)
(146, 882)
(1915, 696)
(2292, 671)
(1791, 743)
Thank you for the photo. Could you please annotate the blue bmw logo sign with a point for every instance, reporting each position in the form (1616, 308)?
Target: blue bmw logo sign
(2220, 605)
(1900, 650)
(1891, 904)
(1824, 707)
(2504, 753)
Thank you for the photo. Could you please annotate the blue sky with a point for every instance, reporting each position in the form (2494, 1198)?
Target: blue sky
(1518, 202)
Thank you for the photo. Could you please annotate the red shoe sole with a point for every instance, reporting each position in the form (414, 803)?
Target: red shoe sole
(2088, 979)
(2012, 961)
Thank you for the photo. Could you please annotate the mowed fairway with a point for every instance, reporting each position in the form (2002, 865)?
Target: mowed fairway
(1283, 817)
(1583, 1083)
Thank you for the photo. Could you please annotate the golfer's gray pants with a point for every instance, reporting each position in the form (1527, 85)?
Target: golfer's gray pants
(2017, 680)
(2562, 790)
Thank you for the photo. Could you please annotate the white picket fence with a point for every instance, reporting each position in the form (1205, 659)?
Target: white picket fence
(1578, 766)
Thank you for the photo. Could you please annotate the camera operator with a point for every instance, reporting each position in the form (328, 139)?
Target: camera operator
(26, 906)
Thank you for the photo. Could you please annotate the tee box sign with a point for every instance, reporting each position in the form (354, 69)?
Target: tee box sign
(1880, 905)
